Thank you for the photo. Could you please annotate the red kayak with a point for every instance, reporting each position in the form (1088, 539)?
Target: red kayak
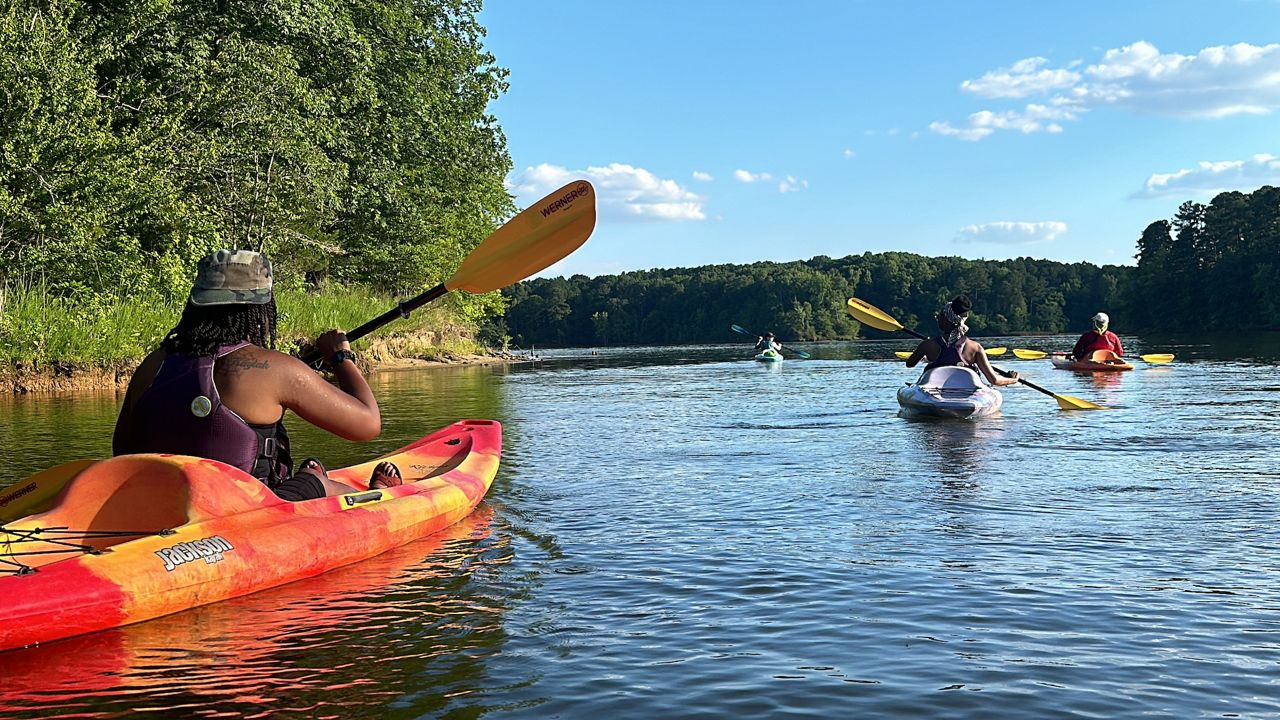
(90, 545)
(1098, 361)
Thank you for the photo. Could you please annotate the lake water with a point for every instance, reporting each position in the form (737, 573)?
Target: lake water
(680, 532)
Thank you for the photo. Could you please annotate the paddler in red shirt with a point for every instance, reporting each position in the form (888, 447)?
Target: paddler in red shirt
(1099, 338)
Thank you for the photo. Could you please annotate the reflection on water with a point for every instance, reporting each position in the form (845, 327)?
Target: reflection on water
(324, 645)
(956, 450)
(681, 532)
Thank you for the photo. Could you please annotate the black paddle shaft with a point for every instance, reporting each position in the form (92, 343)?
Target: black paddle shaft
(401, 310)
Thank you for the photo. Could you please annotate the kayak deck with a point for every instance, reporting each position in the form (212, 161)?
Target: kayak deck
(949, 392)
(119, 541)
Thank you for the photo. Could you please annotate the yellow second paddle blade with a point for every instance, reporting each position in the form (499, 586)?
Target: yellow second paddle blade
(38, 491)
(1066, 402)
(1028, 354)
(543, 234)
(870, 315)
(902, 354)
(996, 351)
(1157, 358)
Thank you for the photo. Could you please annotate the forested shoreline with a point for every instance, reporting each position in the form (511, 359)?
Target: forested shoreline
(350, 141)
(1213, 266)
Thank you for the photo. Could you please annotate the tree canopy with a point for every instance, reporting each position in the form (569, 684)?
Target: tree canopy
(342, 137)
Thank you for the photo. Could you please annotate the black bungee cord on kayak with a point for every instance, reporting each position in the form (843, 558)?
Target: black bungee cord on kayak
(59, 536)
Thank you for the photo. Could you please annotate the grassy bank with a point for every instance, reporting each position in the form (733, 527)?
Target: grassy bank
(41, 332)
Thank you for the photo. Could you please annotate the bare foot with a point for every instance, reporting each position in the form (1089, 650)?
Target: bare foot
(385, 475)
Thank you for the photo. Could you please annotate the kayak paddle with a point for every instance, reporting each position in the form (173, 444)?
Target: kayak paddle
(991, 352)
(870, 315)
(1154, 358)
(541, 235)
(744, 331)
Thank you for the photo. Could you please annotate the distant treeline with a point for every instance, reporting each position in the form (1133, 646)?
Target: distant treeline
(1215, 266)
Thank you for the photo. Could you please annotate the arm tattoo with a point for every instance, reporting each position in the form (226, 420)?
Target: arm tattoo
(236, 364)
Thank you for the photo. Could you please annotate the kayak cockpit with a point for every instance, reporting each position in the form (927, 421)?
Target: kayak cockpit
(121, 499)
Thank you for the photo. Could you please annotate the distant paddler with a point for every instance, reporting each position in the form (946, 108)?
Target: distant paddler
(1099, 338)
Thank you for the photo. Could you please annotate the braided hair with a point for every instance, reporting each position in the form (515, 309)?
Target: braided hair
(203, 329)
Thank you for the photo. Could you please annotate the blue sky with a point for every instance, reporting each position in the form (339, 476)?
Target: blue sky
(735, 131)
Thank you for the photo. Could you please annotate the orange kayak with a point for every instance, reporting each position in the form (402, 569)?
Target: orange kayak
(1098, 361)
(90, 545)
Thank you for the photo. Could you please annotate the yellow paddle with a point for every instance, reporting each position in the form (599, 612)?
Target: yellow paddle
(1154, 358)
(872, 316)
(541, 235)
(991, 352)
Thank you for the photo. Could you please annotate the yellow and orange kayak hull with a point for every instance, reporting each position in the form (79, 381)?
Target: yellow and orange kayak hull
(88, 546)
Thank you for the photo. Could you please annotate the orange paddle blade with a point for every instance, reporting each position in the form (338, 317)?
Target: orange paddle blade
(538, 237)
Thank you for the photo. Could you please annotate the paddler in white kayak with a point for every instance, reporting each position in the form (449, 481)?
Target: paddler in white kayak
(954, 347)
(216, 389)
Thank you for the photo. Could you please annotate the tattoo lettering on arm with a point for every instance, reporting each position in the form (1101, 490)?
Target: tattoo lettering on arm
(236, 364)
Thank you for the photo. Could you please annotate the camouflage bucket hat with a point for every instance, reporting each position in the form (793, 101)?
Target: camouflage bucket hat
(232, 277)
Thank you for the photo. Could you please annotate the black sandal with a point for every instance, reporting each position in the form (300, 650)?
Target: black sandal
(385, 475)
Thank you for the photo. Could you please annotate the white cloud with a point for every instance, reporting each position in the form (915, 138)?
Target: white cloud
(849, 154)
(702, 176)
(1216, 177)
(623, 191)
(969, 133)
(1023, 78)
(791, 184)
(750, 177)
(1216, 82)
(1011, 233)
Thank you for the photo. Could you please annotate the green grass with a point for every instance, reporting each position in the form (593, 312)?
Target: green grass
(38, 330)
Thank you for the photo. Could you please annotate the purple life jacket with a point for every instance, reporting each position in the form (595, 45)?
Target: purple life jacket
(181, 413)
(950, 354)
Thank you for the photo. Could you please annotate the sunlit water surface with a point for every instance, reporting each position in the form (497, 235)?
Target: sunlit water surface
(679, 532)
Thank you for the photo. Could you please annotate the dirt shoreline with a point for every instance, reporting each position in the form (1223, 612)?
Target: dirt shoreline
(66, 378)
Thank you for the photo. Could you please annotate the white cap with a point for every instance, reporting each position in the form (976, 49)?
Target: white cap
(1101, 319)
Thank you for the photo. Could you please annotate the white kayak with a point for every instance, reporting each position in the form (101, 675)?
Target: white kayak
(949, 392)
(769, 356)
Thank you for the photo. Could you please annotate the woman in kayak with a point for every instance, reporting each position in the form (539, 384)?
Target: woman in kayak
(1099, 338)
(768, 343)
(953, 346)
(216, 388)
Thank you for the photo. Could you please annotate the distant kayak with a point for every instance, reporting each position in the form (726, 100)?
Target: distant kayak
(949, 392)
(769, 356)
(90, 545)
(1099, 361)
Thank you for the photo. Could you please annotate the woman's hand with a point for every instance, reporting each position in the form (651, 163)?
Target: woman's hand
(331, 342)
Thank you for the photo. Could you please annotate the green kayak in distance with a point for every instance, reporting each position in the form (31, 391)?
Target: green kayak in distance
(769, 356)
